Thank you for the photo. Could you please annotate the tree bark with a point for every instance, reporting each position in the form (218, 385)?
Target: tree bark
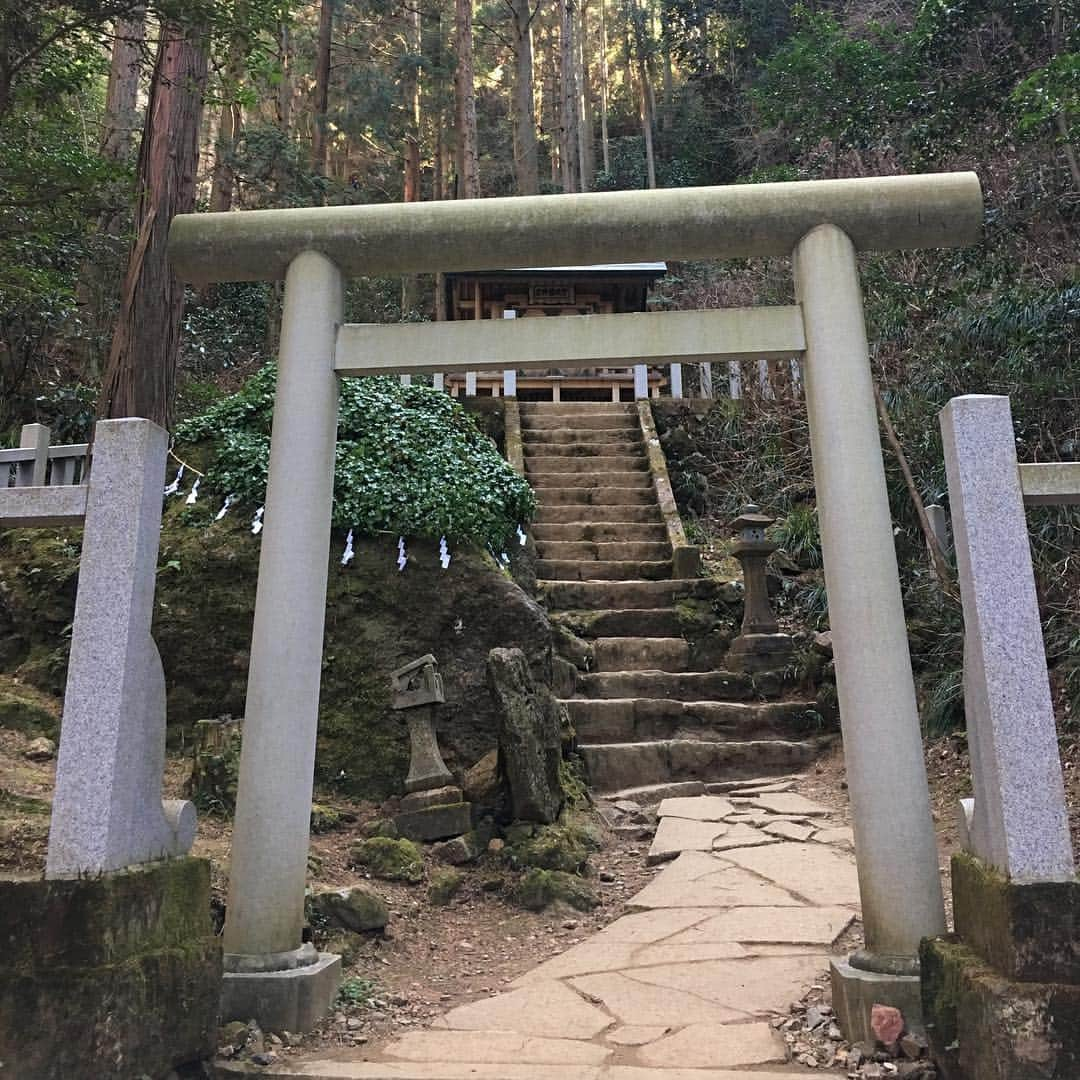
(322, 88)
(605, 145)
(647, 110)
(568, 99)
(467, 153)
(586, 160)
(411, 157)
(97, 282)
(231, 123)
(526, 163)
(140, 376)
(121, 99)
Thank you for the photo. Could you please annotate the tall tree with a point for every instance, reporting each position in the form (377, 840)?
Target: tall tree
(231, 122)
(526, 158)
(568, 99)
(140, 376)
(639, 55)
(322, 88)
(468, 159)
(586, 164)
(411, 99)
(605, 89)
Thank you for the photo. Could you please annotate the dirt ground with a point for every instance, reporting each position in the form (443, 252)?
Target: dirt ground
(431, 957)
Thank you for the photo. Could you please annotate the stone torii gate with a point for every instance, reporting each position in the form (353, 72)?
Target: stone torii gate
(821, 225)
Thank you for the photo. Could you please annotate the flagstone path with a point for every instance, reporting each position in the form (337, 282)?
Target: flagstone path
(737, 924)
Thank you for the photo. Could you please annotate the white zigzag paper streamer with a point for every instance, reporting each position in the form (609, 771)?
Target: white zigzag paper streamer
(348, 553)
(257, 523)
(229, 500)
(174, 487)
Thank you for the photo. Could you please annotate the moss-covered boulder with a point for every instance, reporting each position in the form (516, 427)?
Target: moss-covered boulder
(376, 620)
(564, 847)
(356, 908)
(325, 819)
(444, 886)
(391, 860)
(537, 889)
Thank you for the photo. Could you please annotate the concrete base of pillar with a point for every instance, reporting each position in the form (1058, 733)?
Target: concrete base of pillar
(855, 992)
(984, 1026)
(293, 1000)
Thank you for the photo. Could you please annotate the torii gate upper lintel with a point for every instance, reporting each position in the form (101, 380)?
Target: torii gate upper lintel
(821, 225)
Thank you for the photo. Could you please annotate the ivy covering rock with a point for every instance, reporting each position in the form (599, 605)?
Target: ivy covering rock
(410, 460)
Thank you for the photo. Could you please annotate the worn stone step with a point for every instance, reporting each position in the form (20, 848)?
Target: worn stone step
(567, 440)
(616, 513)
(593, 595)
(550, 494)
(679, 686)
(581, 422)
(621, 479)
(532, 408)
(587, 549)
(652, 794)
(628, 622)
(578, 532)
(613, 766)
(644, 719)
(634, 462)
(602, 570)
(641, 654)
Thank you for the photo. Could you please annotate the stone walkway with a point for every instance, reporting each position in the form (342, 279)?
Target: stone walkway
(758, 885)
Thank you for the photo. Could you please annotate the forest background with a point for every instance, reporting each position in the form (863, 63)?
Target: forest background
(115, 115)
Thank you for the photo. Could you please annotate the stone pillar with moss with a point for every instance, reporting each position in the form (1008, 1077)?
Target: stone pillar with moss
(1002, 995)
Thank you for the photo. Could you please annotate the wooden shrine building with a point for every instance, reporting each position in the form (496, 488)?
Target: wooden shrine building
(543, 292)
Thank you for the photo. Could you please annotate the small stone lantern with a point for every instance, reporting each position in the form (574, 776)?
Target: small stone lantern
(759, 645)
(433, 808)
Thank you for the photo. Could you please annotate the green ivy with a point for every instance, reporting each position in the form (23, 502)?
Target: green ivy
(410, 460)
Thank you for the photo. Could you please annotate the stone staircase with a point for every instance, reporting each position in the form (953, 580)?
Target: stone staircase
(649, 710)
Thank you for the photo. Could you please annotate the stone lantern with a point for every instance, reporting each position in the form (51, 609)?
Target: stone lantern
(433, 808)
(759, 645)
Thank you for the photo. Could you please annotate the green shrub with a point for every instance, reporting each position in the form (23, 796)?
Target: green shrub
(410, 460)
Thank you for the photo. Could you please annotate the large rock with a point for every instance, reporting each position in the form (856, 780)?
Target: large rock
(391, 860)
(355, 908)
(529, 737)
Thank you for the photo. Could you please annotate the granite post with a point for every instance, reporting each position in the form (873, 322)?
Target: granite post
(1019, 823)
(107, 811)
(270, 974)
(894, 836)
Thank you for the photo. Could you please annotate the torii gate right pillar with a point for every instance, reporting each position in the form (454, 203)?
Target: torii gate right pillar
(899, 882)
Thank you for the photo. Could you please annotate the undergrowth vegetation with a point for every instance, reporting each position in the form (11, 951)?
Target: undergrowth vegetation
(409, 461)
